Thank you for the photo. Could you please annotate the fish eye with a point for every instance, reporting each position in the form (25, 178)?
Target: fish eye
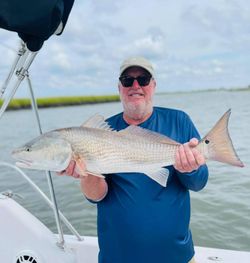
(28, 149)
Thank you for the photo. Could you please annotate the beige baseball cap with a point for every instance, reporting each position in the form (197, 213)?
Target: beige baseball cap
(137, 62)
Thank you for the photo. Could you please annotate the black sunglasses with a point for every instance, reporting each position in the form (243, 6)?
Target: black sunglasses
(127, 81)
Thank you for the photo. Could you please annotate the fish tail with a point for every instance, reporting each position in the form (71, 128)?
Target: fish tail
(218, 145)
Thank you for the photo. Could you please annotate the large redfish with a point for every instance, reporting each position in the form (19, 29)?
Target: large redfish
(97, 149)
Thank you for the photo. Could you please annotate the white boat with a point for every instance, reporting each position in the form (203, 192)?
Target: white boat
(26, 239)
(23, 237)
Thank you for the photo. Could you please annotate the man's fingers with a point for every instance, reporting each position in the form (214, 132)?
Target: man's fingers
(200, 160)
(177, 164)
(71, 168)
(76, 175)
(193, 142)
(191, 161)
(188, 158)
(61, 173)
(183, 158)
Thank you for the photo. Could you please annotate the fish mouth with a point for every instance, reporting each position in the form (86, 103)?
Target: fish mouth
(20, 161)
(23, 163)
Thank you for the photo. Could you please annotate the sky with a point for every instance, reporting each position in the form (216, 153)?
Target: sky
(192, 44)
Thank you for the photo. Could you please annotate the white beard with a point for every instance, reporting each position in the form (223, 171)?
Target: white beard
(137, 111)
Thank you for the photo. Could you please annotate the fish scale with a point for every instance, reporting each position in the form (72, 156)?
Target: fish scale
(114, 151)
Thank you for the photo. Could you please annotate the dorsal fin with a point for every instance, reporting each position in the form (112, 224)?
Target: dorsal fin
(148, 135)
(97, 121)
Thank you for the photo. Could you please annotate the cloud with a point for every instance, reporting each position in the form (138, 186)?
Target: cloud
(224, 23)
(106, 7)
(148, 46)
(192, 45)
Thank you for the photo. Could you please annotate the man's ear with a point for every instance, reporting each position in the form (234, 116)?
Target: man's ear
(119, 87)
(154, 81)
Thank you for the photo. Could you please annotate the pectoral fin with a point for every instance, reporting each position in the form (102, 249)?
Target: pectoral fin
(80, 165)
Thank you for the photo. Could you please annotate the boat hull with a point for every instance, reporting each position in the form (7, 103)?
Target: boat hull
(24, 235)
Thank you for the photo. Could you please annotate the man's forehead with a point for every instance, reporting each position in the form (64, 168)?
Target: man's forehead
(135, 69)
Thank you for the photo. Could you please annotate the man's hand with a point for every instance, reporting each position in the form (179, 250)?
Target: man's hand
(70, 170)
(188, 158)
(93, 187)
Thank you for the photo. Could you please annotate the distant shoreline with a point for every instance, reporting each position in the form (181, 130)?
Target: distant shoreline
(25, 103)
(245, 89)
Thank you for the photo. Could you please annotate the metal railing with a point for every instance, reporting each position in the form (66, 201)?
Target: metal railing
(19, 70)
(42, 194)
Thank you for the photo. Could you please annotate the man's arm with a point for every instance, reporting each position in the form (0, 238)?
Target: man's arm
(93, 187)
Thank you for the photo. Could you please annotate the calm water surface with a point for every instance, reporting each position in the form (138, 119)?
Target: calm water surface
(220, 212)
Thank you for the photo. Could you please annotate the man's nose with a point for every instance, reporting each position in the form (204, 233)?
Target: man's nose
(136, 84)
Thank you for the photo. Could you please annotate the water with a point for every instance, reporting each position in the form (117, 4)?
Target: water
(220, 212)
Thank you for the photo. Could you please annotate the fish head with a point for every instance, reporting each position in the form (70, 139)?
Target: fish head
(46, 152)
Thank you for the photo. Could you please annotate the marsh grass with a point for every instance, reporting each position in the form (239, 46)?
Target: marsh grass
(24, 103)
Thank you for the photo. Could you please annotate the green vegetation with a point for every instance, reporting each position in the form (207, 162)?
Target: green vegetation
(60, 101)
(24, 103)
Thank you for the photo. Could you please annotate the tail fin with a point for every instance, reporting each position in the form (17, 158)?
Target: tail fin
(219, 144)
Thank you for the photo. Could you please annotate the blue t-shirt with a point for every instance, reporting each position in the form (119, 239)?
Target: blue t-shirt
(139, 221)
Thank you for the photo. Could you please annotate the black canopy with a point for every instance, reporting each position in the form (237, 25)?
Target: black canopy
(34, 20)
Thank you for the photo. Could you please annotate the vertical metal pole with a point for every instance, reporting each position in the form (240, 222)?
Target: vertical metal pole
(20, 53)
(20, 67)
(48, 173)
(25, 62)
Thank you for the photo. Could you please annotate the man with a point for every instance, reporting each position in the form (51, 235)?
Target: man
(138, 219)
